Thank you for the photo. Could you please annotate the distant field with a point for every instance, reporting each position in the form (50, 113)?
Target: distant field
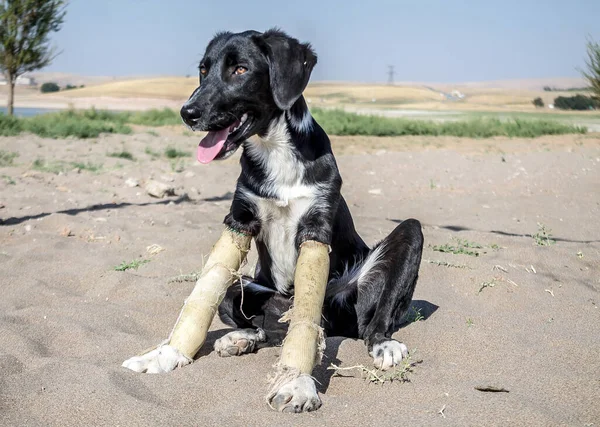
(348, 95)
(405, 100)
(161, 87)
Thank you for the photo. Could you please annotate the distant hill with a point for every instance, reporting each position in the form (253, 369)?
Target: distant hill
(156, 92)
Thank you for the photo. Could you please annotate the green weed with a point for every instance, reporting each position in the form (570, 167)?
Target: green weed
(133, 265)
(124, 154)
(544, 236)
(339, 122)
(7, 157)
(174, 153)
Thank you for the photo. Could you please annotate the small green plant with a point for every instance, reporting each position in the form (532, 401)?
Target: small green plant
(415, 315)
(467, 244)
(152, 153)
(41, 165)
(462, 247)
(487, 284)
(432, 185)
(87, 166)
(456, 250)
(8, 180)
(152, 132)
(544, 236)
(446, 264)
(177, 166)
(133, 265)
(124, 154)
(7, 157)
(579, 254)
(173, 153)
(376, 376)
(470, 322)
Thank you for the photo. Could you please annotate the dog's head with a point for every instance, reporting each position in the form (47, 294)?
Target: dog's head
(245, 80)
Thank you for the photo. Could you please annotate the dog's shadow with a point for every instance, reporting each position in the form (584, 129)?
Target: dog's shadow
(422, 309)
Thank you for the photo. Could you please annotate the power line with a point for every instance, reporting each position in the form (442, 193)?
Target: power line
(391, 74)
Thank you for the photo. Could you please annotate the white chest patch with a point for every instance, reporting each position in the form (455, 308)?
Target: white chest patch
(278, 232)
(280, 215)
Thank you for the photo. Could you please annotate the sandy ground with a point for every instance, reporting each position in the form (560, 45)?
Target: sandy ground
(68, 319)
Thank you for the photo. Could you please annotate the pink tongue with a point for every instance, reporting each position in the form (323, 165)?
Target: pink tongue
(211, 145)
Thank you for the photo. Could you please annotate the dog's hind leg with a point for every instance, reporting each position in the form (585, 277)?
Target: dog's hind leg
(386, 290)
(255, 311)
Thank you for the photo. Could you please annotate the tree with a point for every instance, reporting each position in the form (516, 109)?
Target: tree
(592, 63)
(24, 44)
(49, 87)
(577, 102)
(538, 102)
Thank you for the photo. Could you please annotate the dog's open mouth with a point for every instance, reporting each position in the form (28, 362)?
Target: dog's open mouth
(219, 143)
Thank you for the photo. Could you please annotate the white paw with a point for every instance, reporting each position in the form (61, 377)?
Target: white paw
(388, 354)
(164, 359)
(299, 395)
(239, 342)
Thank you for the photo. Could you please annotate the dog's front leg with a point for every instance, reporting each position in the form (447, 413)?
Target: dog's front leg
(293, 386)
(199, 309)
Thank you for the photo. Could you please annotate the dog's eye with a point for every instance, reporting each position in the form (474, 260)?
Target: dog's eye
(240, 70)
(203, 70)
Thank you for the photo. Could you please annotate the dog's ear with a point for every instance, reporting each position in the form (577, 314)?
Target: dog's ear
(290, 64)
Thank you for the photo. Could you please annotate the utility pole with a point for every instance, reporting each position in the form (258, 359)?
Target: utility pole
(391, 73)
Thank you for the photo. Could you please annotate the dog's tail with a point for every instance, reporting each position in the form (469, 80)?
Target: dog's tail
(343, 291)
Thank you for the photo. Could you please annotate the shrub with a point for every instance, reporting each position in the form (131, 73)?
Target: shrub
(122, 155)
(338, 122)
(49, 87)
(10, 125)
(577, 102)
(538, 102)
(86, 124)
(163, 117)
(7, 157)
(69, 87)
(174, 153)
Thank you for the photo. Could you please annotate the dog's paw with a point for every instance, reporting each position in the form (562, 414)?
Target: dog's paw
(388, 354)
(163, 359)
(239, 342)
(298, 395)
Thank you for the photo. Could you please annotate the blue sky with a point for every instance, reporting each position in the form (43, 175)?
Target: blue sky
(426, 40)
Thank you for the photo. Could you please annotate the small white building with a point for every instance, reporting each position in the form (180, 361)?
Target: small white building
(25, 81)
(21, 81)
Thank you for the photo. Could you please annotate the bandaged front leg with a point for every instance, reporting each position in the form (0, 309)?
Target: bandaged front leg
(293, 387)
(199, 309)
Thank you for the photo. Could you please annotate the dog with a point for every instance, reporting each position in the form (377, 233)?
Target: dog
(289, 192)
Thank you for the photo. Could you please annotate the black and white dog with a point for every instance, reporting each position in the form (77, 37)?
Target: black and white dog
(288, 192)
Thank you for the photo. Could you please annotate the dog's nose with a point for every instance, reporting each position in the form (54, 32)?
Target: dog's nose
(190, 114)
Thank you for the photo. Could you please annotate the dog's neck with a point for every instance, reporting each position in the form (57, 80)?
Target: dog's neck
(299, 118)
(294, 130)
(280, 158)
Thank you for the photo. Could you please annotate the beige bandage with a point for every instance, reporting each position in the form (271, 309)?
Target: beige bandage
(302, 347)
(199, 309)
